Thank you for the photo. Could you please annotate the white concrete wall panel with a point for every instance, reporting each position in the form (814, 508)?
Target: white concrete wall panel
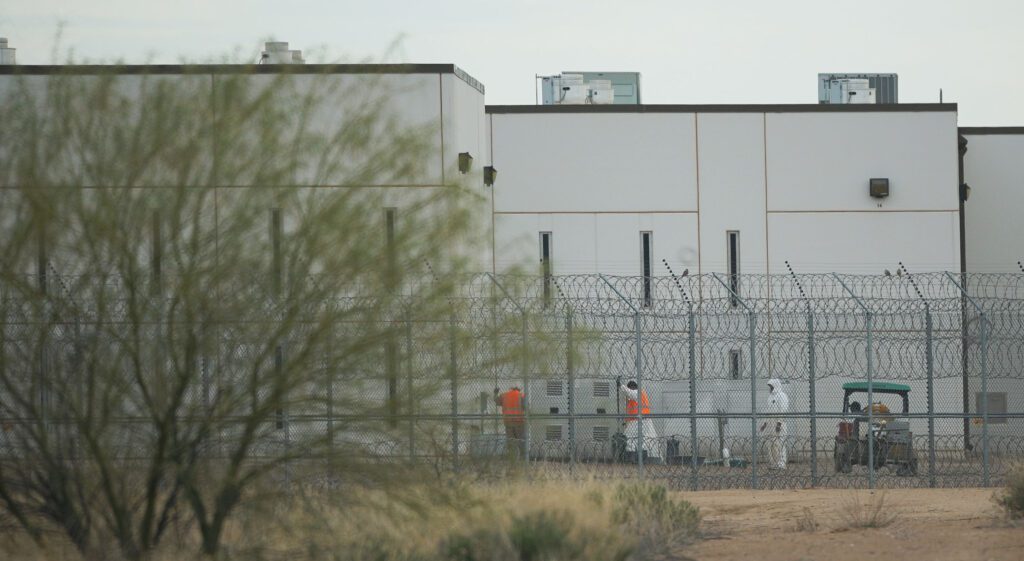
(864, 242)
(517, 242)
(617, 242)
(732, 191)
(464, 129)
(574, 245)
(573, 162)
(823, 161)
(90, 156)
(406, 104)
(588, 242)
(675, 240)
(757, 173)
(994, 168)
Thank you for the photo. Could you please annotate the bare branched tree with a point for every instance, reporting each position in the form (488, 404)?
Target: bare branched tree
(194, 265)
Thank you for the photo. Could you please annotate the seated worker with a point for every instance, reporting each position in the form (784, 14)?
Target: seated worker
(880, 409)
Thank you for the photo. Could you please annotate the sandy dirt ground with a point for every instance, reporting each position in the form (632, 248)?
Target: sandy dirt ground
(930, 524)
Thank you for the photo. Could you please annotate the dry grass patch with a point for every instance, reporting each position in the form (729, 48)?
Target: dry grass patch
(513, 521)
(1011, 498)
(867, 511)
(432, 521)
(806, 522)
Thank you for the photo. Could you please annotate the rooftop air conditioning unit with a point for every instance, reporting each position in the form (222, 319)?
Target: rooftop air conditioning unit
(856, 92)
(600, 92)
(277, 52)
(601, 88)
(6, 53)
(857, 88)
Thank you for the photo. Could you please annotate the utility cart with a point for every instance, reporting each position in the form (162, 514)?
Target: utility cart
(893, 441)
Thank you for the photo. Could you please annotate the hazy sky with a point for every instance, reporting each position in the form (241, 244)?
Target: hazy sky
(688, 52)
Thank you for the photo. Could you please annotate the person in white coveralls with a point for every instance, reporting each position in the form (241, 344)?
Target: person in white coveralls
(773, 430)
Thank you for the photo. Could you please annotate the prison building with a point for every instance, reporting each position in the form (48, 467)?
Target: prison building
(635, 189)
(735, 199)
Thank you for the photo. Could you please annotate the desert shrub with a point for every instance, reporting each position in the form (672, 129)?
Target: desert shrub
(534, 536)
(543, 535)
(1011, 499)
(596, 497)
(661, 523)
(807, 522)
(870, 512)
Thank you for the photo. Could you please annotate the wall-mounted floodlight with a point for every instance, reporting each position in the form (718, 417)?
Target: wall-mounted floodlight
(878, 187)
(489, 174)
(465, 162)
(965, 192)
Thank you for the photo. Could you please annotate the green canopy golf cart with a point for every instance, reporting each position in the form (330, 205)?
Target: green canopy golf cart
(893, 441)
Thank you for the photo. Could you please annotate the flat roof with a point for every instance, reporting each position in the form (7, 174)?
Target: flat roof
(991, 130)
(130, 69)
(724, 108)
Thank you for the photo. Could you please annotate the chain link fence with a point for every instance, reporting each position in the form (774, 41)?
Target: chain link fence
(897, 380)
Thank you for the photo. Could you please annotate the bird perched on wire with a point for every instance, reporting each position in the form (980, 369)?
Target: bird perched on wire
(899, 272)
(887, 273)
(686, 272)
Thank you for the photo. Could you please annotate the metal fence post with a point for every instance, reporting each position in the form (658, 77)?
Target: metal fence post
(811, 368)
(929, 356)
(641, 443)
(525, 370)
(453, 374)
(639, 374)
(984, 326)
(571, 374)
(692, 364)
(43, 358)
(986, 466)
(869, 334)
(753, 400)
(527, 394)
(930, 364)
(869, 327)
(752, 323)
(283, 419)
(330, 412)
(410, 394)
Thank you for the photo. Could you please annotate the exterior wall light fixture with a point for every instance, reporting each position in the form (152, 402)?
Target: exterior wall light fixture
(465, 162)
(878, 187)
(965, 192)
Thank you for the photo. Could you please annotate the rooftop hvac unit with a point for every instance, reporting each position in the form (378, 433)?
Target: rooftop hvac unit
(572, 79)
(861, 96)
(277, 52)
(601, 92)
(6, 53)
(856, 92)
(573, 94)
(602, 88)
(858, 88)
